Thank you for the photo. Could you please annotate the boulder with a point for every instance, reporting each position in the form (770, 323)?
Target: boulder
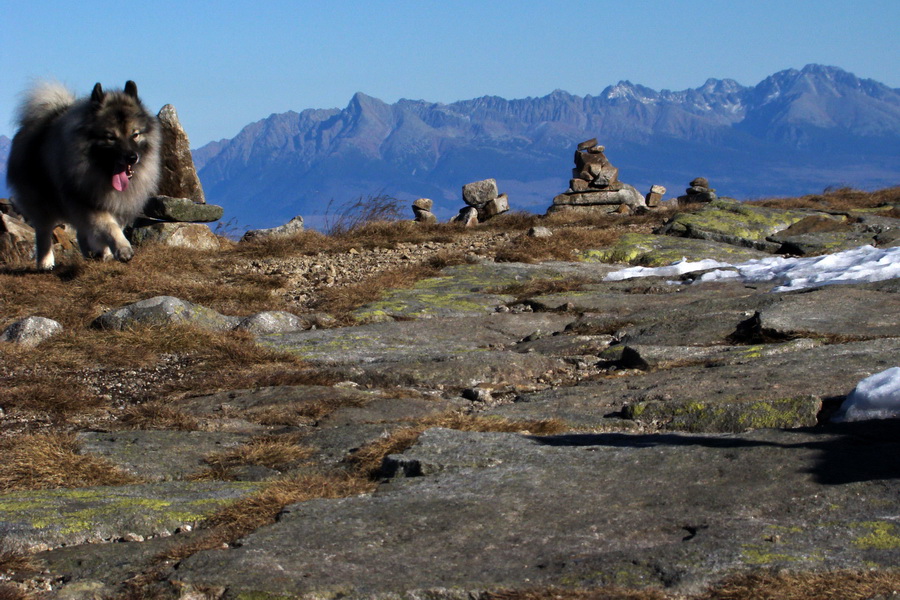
(468, 216)
(479, 193)
(164, 310)
(30, 331)
(179, 177)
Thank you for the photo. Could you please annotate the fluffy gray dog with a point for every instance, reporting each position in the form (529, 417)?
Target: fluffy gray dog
(92, 162)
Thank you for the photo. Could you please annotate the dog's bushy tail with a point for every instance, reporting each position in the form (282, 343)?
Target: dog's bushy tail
(44, 100)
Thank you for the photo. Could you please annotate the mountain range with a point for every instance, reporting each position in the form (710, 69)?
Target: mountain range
(795, 132)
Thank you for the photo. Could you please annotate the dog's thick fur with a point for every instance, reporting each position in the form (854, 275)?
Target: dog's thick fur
(92, 162)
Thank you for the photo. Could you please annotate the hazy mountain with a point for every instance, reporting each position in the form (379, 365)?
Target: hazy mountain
(797, 131)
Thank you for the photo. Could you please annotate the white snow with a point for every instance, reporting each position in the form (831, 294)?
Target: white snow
(875, 397)
(860, 265)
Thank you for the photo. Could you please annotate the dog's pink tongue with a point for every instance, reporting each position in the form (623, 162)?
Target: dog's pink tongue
(120, 181)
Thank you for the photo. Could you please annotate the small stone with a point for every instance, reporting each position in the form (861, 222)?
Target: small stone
(539, 232)
(700, 182)
(653, 199)
(196, 236)
(596, 149)
(273, 321)
(497, 206)
(587, 144)
(658, 189)
(578, 185)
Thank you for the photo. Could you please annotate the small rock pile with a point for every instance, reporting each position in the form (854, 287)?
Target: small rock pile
(422, 211)
(177, 215)
(483, 201)
(595, 185)
(699, 191)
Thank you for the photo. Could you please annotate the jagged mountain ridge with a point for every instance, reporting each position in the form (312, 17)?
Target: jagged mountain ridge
(795, 132)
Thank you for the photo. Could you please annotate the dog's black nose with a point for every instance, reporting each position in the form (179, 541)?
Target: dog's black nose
(131, 158)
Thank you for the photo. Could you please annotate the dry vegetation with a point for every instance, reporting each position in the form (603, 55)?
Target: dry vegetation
(85, 377)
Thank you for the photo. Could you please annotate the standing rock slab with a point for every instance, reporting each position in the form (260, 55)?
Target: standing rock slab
(181, 210)
(179, 177)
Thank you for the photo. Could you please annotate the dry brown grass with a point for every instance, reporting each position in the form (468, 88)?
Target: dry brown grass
(564, 245)
(604, 593)
(342, 300)
(158, 415)
(11, 592)
(841, 199)
(273, 451)
(367, 459)
(49, 461)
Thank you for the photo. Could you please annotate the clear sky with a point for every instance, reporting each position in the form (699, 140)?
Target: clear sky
(227, 63)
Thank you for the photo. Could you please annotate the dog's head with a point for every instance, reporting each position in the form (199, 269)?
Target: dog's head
(121, 132)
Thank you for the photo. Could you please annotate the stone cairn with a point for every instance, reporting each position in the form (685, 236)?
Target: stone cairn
(178, 214)
(699, 191)
(422, 211)
(483, 201)
(595, 185)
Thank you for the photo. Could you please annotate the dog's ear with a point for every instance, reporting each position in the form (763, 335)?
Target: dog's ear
(97, 95)
(131, 89)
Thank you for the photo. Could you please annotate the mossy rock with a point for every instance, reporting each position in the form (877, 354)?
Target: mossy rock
(659, 250)
(698, 416)
(735, 223)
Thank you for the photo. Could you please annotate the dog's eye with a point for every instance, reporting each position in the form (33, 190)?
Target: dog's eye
(136, 134)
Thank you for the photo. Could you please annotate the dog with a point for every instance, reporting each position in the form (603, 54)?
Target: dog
(92, 162)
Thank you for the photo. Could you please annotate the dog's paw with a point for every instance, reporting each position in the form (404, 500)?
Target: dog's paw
(124, 254)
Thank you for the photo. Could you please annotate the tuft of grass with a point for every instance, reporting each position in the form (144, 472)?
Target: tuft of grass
(272, 451)
(564, 245)
(552, 593)
(49, 461)
(342, 300)
(158, 415)
(361, 211)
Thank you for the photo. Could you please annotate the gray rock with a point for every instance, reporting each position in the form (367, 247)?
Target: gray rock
(627, 195)
(587, 144)
(424, 216)
(195, 236)
(158, 455)
(494, 207)
(540, 232)
(479, 193)
(700, 182)
(42, 519)
(30, 331)
(673, 511)
(467, 216)
(164, 310)
(179, 177)
(423, 204)
(273, 321)
(293, 226)
(181, 210)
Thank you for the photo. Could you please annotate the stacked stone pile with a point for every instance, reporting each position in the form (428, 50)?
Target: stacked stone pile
(655, 196)
(595, 185)
(178, 215)
(483, 201)
(699, 191)
(422, 211)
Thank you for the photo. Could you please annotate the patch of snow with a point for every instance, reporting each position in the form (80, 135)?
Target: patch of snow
(677, 268)
(875, 397)
(860, 265)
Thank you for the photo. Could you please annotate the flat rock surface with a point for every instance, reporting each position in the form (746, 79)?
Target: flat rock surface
(486, 514)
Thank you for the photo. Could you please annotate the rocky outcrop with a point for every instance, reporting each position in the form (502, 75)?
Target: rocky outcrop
(693, 441)
(595, 185)
(699, 191)
(483, 201)
(293, 226)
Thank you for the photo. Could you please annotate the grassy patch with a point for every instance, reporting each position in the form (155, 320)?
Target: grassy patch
(272, 451)
(837, 199)
(49, 461)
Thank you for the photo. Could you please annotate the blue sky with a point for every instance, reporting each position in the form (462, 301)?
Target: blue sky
(228, 63)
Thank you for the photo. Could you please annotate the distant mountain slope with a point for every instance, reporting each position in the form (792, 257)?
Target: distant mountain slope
(794, 132)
